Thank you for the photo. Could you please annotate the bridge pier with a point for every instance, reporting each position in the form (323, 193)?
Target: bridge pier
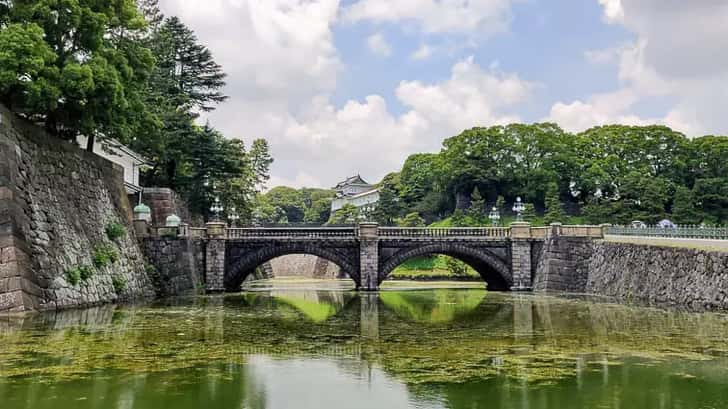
(215, 257)
(521, 256)
(368, 256)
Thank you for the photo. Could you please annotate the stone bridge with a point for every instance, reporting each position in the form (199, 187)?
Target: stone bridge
(505, 257)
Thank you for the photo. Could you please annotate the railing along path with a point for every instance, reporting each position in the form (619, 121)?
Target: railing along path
(685, 232)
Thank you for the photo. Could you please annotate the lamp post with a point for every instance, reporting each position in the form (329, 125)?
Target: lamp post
(494, 216)
(217, 208)
(518, 208)
(233, 216)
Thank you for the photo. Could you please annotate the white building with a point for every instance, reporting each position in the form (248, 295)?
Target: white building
(355, 191)
(114, 151)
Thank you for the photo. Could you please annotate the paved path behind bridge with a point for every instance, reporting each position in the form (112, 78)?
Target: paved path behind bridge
(702, 244)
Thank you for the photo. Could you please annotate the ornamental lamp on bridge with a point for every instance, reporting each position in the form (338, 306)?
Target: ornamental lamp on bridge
(518, 208)
(216, 209)
(494, 216)
(233, 216)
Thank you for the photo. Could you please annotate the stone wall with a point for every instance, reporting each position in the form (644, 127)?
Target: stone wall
(663, 276)
(696, 279)
(303, 265)
(563, 264)
(55, 203)
(179, 264)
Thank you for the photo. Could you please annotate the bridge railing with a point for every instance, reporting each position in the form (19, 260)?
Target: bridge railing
(685, 232)
(582, 231)
(540, 232)
(432, 232)
(283, 233)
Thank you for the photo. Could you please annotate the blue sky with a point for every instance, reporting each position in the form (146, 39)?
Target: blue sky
(546, 44)
(337, 88)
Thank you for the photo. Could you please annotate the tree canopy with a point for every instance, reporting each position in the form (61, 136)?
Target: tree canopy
(121, 69)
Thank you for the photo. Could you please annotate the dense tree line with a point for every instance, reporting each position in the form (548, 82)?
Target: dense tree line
(612, 174)
(120, 69)
(286, 205)
(607, 174)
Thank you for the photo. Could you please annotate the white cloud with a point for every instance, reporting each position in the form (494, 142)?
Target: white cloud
(678, 55)
(283, 66)
(613, 10)
(481, 17)
(422, 53)
(600, 109)
(365, 137)
(378, 45)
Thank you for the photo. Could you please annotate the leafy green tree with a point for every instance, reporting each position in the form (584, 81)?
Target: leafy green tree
(290, 200)
(265, 212)
(388, 208)
(215, 167)
(84, 76)
(418, 177)
(348, 214)
(319, 211)
(477, 207)
(412, 220)
(554, 210)
(684, 210)
(711, 195)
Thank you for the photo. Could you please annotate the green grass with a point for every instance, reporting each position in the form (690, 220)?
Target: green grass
(429, 268)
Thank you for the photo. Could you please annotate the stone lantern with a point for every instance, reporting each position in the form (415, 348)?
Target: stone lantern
(172, 221)
(143, 212)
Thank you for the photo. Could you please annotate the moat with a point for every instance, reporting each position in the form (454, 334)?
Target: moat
(287, 344)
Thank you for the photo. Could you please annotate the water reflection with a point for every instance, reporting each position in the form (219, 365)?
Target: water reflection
(444, 348)
(432, 306)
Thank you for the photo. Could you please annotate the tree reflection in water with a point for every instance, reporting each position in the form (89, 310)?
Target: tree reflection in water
(317, 349)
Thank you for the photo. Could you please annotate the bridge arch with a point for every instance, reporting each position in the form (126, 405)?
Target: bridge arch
(491, 268)
(239, 269)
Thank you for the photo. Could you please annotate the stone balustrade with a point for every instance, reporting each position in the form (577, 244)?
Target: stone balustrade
(517, 230)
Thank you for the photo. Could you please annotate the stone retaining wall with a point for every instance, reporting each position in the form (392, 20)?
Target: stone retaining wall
(562, 264)
(664, 276)
(55, 203)
(179, 264)
(696, 279)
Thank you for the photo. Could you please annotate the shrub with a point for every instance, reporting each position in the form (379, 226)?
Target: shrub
(85, 272)
(79, 273)
(119, 283)
(73, 276)
(457, 267)
(115, 230)
(104, 255)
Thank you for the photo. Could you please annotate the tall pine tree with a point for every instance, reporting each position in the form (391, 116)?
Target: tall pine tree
(186, 68)
(260, 161)
(554, 210)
